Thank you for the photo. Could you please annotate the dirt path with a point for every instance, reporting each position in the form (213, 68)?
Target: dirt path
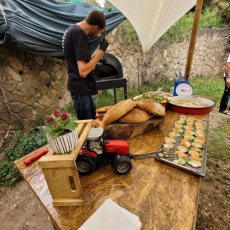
(20, 209)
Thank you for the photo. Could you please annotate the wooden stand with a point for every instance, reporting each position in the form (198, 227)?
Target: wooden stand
(124, 131)
(61, 173)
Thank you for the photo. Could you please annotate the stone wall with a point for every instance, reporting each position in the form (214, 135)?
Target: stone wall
(168, 59)
(31, 86)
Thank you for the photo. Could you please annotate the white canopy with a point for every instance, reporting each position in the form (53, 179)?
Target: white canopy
(152, 18)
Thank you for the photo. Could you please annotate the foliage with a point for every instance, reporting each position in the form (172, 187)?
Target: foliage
(24, 144)
(60, 123)
(9, 174)
(208, 19)
(128, 32)
(223, 7)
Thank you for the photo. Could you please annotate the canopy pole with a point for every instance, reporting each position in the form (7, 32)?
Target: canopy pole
(192, 43)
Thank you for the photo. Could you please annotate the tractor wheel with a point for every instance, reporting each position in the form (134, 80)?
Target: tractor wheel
(85, 164)
(121, 164)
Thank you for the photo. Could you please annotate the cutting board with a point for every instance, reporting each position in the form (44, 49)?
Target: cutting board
(125, 131)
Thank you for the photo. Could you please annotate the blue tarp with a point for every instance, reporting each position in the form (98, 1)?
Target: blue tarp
(37, 26)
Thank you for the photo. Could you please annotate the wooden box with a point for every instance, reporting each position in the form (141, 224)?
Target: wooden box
(61, 173)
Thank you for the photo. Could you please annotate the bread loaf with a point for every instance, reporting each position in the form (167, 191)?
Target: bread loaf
(151, 107)
(104, 109)
(118, 110)
(136, 115)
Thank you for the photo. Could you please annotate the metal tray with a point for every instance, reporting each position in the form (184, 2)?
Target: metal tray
(196, 171)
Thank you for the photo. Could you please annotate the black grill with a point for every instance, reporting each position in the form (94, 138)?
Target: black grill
(109, 75)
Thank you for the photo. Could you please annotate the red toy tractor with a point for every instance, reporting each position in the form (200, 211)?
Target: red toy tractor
(97, 151)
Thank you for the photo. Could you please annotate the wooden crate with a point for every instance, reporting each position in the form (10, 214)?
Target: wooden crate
(61, 173)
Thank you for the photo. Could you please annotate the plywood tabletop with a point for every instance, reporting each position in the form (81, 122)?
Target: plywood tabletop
(163, 197)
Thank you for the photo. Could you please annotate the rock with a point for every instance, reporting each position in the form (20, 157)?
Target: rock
(16, 107)
(60, 76)
(39, 60)
(11, 74)
(15, 63)
(45, 101)
(10, 85)
(56, 67)
(45, 78)
(26, 113)
(26, 89)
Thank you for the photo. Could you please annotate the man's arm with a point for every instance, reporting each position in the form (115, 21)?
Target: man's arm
(227, 73)
(86, 67)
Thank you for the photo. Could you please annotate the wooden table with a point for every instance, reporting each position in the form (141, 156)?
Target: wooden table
(163, 197)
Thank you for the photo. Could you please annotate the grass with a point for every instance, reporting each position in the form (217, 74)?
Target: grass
(202, 85)
(212, 87)
(219, 144)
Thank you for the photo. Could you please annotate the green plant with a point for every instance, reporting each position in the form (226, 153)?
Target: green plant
(128, 33)
(223, 7)
(9, 174)
(24, 144)
(60, 123)
(180, 30)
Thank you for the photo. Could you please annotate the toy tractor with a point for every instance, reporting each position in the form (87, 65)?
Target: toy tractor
(98, 151)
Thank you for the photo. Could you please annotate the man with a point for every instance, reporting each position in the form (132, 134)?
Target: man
(226, 94)
(80, 64)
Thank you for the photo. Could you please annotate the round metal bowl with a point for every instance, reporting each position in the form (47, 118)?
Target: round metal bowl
(176, 105)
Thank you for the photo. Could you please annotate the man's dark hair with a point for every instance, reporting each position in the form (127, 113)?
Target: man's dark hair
(96, 18)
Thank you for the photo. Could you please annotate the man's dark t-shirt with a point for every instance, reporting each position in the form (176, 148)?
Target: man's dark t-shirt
(76, 47)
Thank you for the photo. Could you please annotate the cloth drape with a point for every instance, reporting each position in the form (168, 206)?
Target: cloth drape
(37, 26)
(152, 18)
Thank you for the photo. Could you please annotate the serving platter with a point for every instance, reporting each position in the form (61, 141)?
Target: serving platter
(170, 157)
(191, 105)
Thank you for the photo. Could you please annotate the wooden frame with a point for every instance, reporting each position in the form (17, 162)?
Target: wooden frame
(61, 173)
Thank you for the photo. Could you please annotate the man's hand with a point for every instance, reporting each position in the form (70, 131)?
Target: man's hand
(103, 45)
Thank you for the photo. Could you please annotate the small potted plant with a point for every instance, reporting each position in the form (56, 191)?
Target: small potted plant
(61, 132)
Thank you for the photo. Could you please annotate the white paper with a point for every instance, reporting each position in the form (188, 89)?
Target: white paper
(110, 216)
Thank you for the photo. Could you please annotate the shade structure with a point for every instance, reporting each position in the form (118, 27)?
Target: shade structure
(152, 18)
(37, 26)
